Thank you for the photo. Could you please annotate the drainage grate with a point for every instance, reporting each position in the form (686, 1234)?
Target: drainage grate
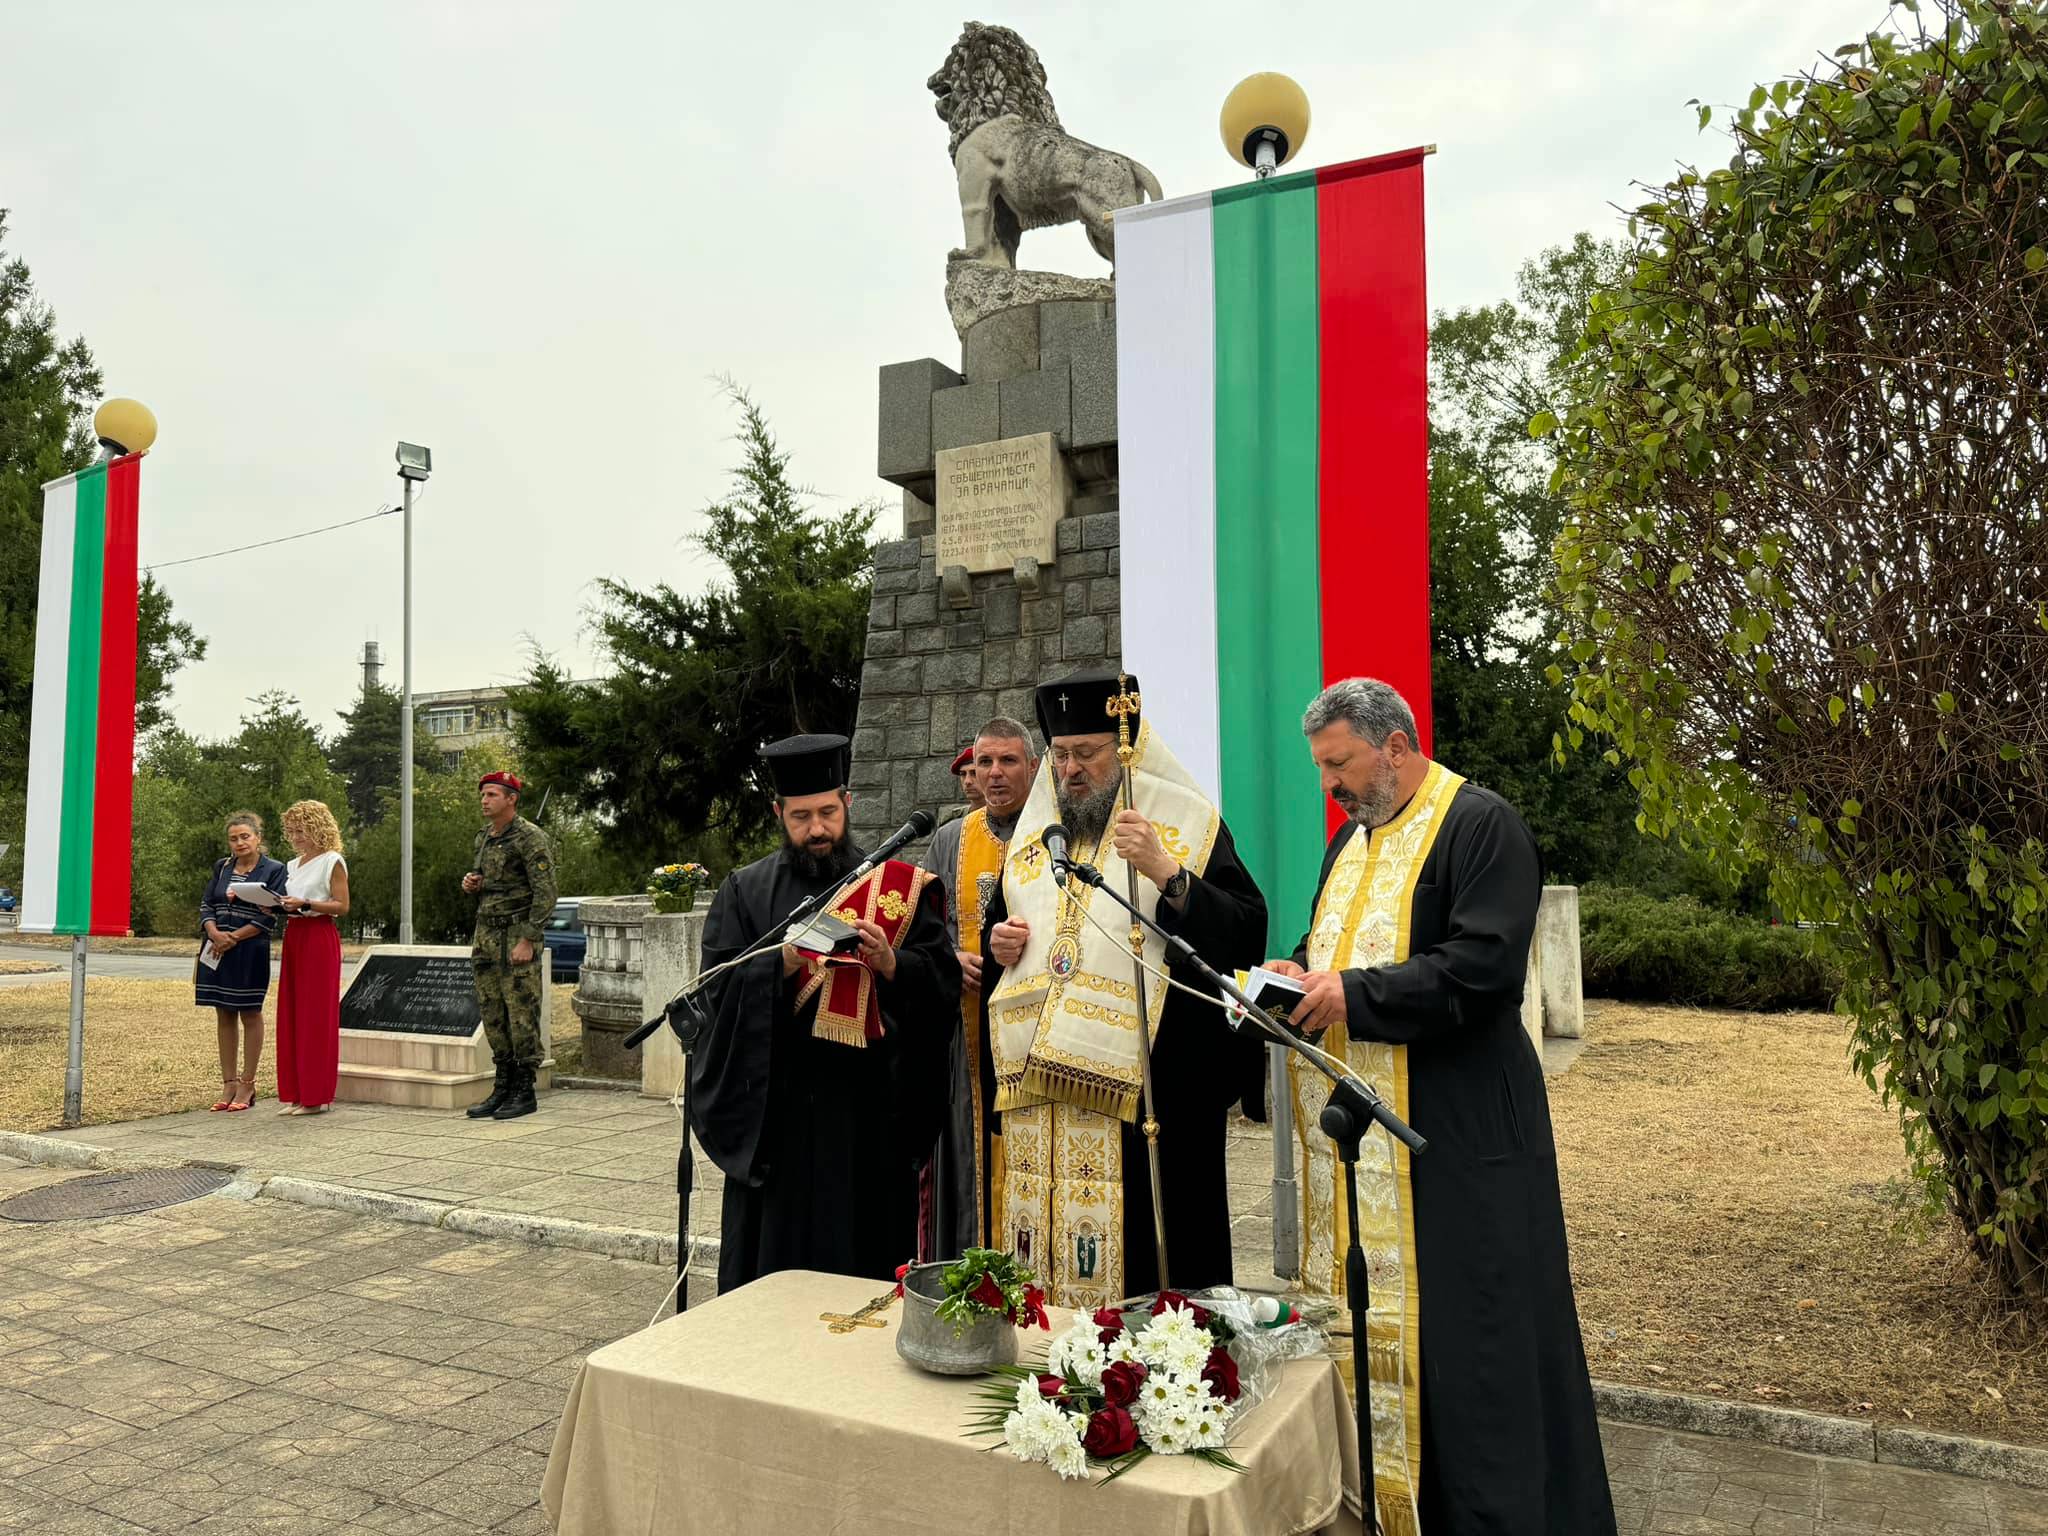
(113, 1194)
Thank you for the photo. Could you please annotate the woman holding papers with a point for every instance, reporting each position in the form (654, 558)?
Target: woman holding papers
(309, 987)
(233, 973)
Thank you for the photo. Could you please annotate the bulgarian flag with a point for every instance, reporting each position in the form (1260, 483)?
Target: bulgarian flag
(81, 748)
(1272, 355)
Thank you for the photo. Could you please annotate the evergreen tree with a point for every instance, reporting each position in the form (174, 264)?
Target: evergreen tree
(664, 749)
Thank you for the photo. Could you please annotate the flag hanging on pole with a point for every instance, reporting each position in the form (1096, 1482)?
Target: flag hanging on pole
(81, 754)
(1272, 356)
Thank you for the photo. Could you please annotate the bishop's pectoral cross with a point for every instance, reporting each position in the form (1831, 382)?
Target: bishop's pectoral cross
(863, 1316)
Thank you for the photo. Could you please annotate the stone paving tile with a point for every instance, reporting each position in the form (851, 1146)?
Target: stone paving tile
(257, 1367)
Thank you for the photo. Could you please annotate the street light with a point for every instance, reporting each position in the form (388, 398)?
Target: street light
(414, 463)
(1265, 121)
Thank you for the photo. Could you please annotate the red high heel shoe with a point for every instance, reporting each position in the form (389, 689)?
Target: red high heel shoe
(248, 1083)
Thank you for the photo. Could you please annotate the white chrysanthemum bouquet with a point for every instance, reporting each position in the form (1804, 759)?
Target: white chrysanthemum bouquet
(1112, 1395)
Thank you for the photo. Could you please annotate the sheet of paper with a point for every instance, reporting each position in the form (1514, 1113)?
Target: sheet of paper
(254, 892)
(209, 956)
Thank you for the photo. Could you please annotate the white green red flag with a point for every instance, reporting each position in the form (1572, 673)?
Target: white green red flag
(1272, 415)
(81, 751)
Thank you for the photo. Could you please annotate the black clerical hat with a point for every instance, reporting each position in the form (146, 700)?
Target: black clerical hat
(1079, 705)
(806, 765)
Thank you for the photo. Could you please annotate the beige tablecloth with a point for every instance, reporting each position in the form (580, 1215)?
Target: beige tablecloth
(747, 1415)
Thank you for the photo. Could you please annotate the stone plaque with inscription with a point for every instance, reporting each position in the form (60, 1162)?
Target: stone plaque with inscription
(414, 995)
(1000, 500)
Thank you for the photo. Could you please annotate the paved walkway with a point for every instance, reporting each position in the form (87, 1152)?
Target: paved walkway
(233, 1367)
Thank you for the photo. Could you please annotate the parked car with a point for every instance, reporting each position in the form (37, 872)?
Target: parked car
(565, 939)
(6, 899)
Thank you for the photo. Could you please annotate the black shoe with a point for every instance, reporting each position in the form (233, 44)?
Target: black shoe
(500, 1086)
(519, 1097)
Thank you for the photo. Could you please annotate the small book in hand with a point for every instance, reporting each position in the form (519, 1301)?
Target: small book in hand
(1273, 992)
(824, 937)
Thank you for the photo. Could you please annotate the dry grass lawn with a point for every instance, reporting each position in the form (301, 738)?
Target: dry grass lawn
(1739, 1229)
(148, 1051)
(101, 944)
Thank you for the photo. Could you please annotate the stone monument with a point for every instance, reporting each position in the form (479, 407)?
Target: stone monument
(1007, 570)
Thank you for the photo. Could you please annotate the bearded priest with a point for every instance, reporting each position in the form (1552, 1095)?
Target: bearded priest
(1413, 966)
(1068, 1185)
(818, 1084)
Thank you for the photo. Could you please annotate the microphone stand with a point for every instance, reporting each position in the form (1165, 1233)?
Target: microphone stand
(1354, 1107)
(682, 1015)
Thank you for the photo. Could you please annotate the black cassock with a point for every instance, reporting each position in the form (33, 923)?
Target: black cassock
(1509, 1442)
(1200, 1068)
(819, 1142)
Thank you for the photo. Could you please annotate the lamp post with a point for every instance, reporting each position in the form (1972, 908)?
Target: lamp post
(1265, 122)
(414, 463)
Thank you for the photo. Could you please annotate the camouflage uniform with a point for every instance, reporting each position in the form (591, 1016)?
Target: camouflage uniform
(518, 895)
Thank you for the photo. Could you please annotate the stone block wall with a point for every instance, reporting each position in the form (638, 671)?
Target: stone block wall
(933, 674)
(938, 665)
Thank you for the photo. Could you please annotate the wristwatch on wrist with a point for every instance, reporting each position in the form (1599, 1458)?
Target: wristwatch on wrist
(1177, 887)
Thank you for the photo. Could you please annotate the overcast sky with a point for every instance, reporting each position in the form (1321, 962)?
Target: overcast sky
(528, 235)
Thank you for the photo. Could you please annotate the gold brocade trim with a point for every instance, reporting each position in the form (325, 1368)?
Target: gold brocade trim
(1363, 920)
(1065, 957)
(849, 1026)
(981, 853)
(1062, 1203)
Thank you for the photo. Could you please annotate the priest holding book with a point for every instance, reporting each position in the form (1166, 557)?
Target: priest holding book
(819, 1081)
(1412, 971)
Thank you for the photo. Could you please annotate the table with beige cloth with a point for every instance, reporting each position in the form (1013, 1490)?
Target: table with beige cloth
(748, 1415)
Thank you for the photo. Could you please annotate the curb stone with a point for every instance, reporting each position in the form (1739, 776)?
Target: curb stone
(1993, 1460)
(1791, 1429)
(50, 1152)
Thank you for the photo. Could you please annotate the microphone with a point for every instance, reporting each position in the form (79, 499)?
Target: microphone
(919, 825)
(1055, 839)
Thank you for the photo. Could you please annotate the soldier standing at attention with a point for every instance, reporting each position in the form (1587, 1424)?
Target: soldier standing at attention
(514, 875)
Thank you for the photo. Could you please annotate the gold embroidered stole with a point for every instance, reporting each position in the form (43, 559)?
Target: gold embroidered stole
(1362, 920)
(980, 869)
(1063, 1029)
(848, 1013)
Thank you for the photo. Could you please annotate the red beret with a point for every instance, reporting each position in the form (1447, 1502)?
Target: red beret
(506, 780)
(965, 760)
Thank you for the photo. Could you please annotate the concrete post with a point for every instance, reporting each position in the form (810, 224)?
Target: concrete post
(1555, 961)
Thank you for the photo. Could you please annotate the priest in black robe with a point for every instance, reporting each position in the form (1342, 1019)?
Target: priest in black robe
(818, 1088)
(1414, 967)
(1060, 968)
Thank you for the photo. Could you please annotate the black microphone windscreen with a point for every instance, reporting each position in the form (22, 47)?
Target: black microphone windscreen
(921, 823)
(1056, 840)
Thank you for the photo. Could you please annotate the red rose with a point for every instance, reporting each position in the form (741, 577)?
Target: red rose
(901, 1271)
(1221, 1374)
(988, 1294)
(1109, 1323)
(1051, 1386)
(1033, 1310)
(1111, 1432)
(1121, 1381)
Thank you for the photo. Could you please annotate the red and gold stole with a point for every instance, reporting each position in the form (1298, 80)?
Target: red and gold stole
(845, 989)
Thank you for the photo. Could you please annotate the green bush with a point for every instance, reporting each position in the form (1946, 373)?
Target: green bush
(1675, 950)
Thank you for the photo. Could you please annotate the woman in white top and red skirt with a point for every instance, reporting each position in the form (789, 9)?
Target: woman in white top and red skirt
(309, 984)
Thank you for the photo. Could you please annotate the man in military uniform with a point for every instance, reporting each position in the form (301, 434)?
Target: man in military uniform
(513, 874)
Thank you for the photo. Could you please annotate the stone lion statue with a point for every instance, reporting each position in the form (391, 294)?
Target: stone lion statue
(1018, 168)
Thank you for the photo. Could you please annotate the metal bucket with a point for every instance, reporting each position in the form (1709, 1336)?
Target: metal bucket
(929, 1342)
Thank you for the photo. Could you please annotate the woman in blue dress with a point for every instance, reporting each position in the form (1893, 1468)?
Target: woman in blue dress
(232, 976)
